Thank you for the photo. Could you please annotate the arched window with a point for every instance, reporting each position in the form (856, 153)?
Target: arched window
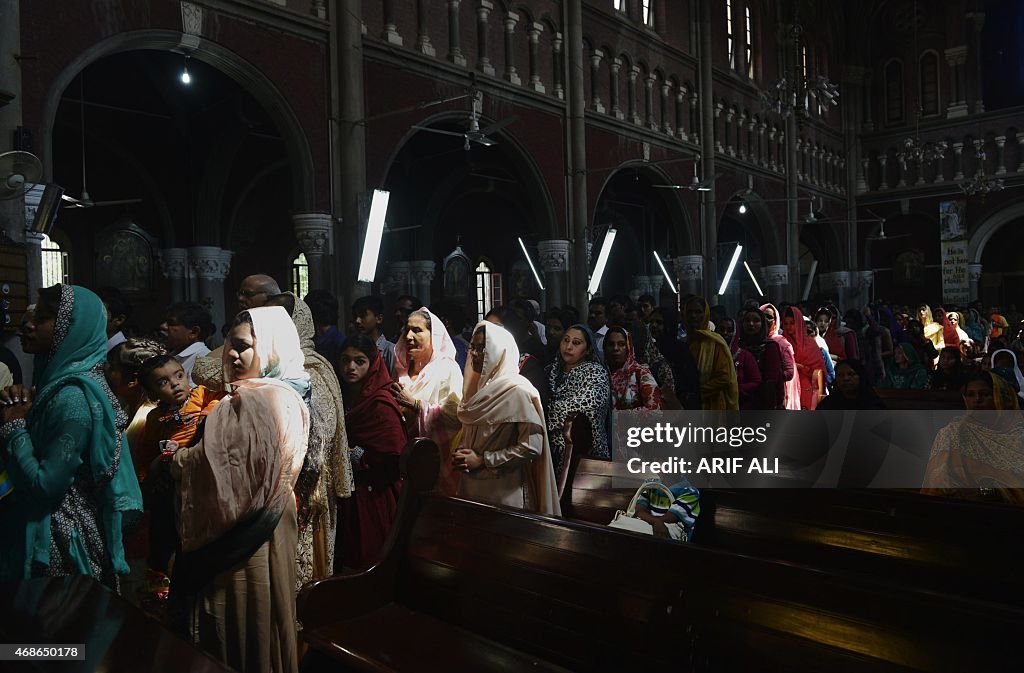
(619, 5)
(646, 13)
(894, 91)
(300, 276)
(929, 82)
(750, 41)
(488, 289)
(56, 267)
(730, 35)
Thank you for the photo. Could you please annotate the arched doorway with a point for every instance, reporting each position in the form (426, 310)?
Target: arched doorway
(481, 198)
(745, 222)
(1002, 264)
(647, 220)
(169, 164)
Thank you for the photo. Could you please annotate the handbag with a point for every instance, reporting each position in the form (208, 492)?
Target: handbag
(628, 520)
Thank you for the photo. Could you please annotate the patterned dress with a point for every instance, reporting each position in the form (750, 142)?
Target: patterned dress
(584, 389)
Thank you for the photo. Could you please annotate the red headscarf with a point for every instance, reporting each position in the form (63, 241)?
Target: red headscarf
(375, 421)
(805, 348)
(949, 334)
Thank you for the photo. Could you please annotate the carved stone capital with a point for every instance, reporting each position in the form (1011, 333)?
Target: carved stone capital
(422, 271)
(208, 262)
(974, 273)
(554, 255)
(776, 275)
(313, 233)
(398, 276)
(689, 267)
(173, 262)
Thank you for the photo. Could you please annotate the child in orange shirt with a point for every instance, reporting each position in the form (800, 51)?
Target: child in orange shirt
(176, 422)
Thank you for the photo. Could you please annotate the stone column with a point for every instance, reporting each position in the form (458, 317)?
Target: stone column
(862, 173)
(33, 264)
(762, 156)
(556, 60)
(772, 163)
(979, 156)
(977, 20)
(777, 280)
(313, 232)
(641, 285)
(957, 57)
(595, 80)
(731, 139)
(399, 279)
(974, 281)
(902, 159)
(210, 266)
(554, 263)
(390, 28)
(836, 286)
(695, 129)
(614, 66)
(483, 59)
(422, 273)
(174, 265)
(958, 158)
(690, 272)
(860, 294)
(666, 118)
(719, 143)
(534, 33)
(681, 111)
(422, 29)
(634, 73)
(656, 281)
(511, 19)
(883, 175)
(454, 48)
(649, 101)
(1000, 155)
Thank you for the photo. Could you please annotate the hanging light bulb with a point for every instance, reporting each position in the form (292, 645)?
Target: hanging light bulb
(743, 209)
(185, 77)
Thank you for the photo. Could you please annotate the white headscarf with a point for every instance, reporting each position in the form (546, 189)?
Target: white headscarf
(277, 347)
(438, 376)
(1016, 369)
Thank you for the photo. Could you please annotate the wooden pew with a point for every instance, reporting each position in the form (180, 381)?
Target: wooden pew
(465, 587)
(941, 544)
(920, 400)
(118, 637)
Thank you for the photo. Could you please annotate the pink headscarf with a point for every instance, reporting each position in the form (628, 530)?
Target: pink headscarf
(788, 358)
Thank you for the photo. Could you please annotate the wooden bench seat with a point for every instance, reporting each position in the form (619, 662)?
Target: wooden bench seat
(941, 544)
(118, 637)
(466, 587)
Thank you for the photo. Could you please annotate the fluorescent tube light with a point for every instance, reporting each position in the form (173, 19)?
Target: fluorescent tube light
(664, 271)
(374, 232)
(732, 267)
(530, 262)
(602, 260)
(751, 274)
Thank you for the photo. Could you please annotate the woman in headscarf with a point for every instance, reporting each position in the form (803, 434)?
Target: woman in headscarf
(646, 353)
(925, 348)
(633, 384)
(932, 330)
(1004, 362)
(579, 384)
(956, 321)
(62, 446)
(377, 435)
(791, 389)
(907, 372)
(752, 337)
(980, 456)
(718, 386)
(950, 374)
(326, 473)
(429, 388)
(974, 328)
(999, 325)
(235, 574)
(853, 389)
(504, 452)
(810, 366)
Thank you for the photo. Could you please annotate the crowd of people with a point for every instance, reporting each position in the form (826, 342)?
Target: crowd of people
(210, 485)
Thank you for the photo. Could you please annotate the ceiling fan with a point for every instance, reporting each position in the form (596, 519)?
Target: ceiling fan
(473, 132)
(85, 201)
(18, 172)
(695, 184)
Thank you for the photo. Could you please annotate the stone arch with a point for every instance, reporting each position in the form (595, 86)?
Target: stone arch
(984, 232)
(683, 230)
(773, 247)
(228, 62)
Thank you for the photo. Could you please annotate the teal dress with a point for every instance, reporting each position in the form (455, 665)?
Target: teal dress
(72, 475)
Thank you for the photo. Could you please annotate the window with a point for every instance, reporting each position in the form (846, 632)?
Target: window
(619, 5)
(488, 289)
(894, 91)
(750, 43)
(300, 276)
(803, 60)
(55, 263)
(646, 13)
(729, 34)
(929, 82)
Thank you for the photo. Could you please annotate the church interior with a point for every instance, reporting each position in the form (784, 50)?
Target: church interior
(564, 169)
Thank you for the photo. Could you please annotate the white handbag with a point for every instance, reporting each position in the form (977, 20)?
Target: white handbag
(628, 520)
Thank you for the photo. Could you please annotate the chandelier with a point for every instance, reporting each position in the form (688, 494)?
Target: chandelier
(926, 152)
(796, 93)
(982, 184)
